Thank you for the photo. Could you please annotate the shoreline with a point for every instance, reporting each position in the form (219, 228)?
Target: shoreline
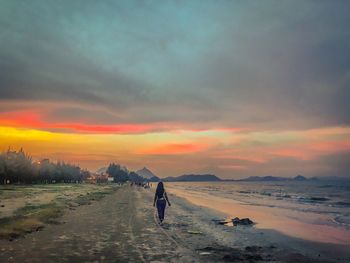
(261, 237)
(289, 221)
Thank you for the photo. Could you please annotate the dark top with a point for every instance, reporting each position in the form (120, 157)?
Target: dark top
(160, 194)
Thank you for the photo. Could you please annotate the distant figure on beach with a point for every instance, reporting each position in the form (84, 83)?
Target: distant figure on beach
(161, 198)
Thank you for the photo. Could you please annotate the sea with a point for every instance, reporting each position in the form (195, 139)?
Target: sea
(311, 210)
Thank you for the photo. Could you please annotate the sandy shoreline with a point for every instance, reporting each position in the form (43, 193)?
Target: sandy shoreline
(303, 222)
(122, 228)
(272, 245)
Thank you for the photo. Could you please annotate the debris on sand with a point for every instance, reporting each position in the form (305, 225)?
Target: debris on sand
(244, 221)
(235, 221)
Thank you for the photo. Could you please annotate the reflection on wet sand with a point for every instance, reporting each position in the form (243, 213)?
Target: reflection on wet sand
(292, 223)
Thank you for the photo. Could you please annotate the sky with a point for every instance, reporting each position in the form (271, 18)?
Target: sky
(232, 88)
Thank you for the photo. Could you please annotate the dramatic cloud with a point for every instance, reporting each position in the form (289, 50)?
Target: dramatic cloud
(260, 71)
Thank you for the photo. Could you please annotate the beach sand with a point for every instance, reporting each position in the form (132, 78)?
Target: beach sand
(122, 227)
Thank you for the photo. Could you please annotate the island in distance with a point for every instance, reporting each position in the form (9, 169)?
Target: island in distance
(149, 176)
(193, 178)
(213, 178)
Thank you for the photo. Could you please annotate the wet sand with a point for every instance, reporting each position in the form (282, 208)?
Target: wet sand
(269, 218)
(122, 228)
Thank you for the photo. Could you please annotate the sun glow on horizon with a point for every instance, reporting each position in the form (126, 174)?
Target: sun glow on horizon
(223, 151)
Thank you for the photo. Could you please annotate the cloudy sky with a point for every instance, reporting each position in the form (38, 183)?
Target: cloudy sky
(235, 88)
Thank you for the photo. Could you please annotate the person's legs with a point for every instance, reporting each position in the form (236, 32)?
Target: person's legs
(161, 208)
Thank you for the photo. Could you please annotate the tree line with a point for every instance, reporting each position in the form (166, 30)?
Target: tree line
(121, 175)
(17, 167)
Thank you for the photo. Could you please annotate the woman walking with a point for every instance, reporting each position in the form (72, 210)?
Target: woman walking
(161, 198)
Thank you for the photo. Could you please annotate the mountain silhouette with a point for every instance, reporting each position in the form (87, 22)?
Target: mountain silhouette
(147, 174)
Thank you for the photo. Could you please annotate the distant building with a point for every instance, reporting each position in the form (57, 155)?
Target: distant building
(97, 178)
(110, 179)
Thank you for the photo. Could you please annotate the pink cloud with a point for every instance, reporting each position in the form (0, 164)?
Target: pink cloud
(174, 148)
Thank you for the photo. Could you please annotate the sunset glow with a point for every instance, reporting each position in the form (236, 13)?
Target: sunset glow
(199, 89)
(93, 150)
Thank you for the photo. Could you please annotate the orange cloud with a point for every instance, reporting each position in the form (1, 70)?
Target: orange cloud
(174, 148)
(224, 129)
(239, 155)
(34, 120)
(301, 153)
(331, 146)
(233, 167)
(120, 128)
(21, 119)
(310, 150)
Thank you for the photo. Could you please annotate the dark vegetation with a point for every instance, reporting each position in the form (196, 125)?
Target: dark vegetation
(17, 167)
(121, 175)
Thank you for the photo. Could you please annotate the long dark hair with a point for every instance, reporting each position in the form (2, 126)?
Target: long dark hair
(160, 189)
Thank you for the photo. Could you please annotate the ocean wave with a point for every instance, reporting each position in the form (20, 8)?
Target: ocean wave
(342, 220)
(342, 203)
(319, 199)
(326, 186)
(313, 199)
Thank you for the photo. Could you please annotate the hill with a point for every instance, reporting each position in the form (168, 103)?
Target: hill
(147, 174)
(193, 178)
